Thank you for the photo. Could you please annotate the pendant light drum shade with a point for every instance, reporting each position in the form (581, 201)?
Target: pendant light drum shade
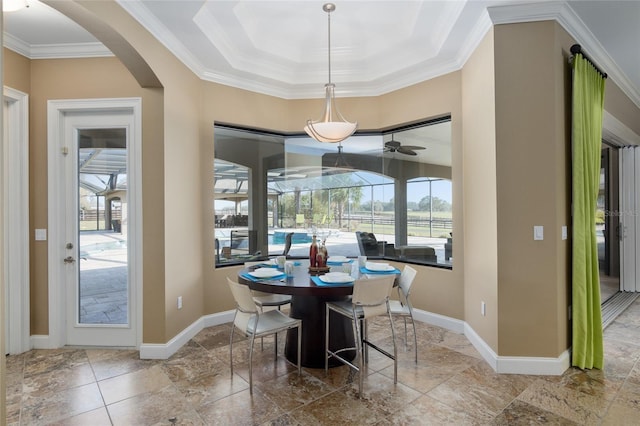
(326, 129)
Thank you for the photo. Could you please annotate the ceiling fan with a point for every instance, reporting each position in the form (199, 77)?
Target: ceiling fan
(395, 146)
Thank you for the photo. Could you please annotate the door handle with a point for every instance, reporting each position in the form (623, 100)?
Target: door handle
(69, 259)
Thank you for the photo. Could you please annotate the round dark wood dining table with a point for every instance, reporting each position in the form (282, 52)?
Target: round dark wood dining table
(308, 304)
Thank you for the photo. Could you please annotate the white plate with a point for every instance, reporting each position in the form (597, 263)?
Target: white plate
(265, 273)
(337, 259)
(336, 277)
(373, 266)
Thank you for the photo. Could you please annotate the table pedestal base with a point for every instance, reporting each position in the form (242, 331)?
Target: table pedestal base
(311, 310)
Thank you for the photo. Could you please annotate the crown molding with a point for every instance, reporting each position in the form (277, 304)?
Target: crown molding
(559, 11)
(56, 51)
(562, 13)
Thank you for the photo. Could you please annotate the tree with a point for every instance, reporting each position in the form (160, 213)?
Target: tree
(439, 205)
(343, 190)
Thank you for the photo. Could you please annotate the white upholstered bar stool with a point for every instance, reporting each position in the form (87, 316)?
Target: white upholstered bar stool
(402, 307)
(370, 299)
(264, 299)
(253, 323)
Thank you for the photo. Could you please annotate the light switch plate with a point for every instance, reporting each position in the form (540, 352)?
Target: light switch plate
(538, 233)
(41, 235)
(564, 232)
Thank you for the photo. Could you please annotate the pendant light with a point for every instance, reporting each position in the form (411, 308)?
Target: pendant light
(326, 129)
(13, 5)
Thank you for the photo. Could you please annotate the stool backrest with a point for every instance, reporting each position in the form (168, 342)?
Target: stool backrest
(372, 294)
(246, 308)
(404, 286)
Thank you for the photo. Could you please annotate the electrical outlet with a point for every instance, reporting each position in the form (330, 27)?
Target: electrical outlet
(483, 308)
(179, 302)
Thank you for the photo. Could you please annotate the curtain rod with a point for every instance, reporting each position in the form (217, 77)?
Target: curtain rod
(576, 48)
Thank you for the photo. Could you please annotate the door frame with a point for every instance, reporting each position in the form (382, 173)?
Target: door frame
(57, 110)
(15, 220)
(619, 135)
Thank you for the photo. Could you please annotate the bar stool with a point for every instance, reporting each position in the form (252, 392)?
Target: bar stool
(402, 307)
(370, 299)
(253, 323)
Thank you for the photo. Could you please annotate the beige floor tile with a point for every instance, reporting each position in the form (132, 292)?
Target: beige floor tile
(40, 410)
(42, 361)
(570, 404)
(521, 413)
(133, 384)
(450, 385)
(338, 408)
(598, 383)
(97, 417)
(55, 380)
(241, 408)
(428, 411)
(420, 376)
(380, 392)
(481, 392)
(284, 420)
(291, 391)
(216, 337)
(108, 363)
(15, 363)
(193, 364)
(621, 415)
(156, 407)
(629, 396)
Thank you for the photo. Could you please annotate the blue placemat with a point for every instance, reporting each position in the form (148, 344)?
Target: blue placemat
(273, 265)
(317, 281)
(256, 279)
(364, 270)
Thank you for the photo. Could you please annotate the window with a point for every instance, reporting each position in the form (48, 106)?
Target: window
(392, 188)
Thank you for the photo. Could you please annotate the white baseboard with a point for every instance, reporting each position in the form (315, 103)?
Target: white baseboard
(534, 366)
(165, 350)
(451, 324)
(500, 364)
(41, 341)
(518, 364)
(481, 346)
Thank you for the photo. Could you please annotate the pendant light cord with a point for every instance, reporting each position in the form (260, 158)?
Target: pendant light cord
(329, 10)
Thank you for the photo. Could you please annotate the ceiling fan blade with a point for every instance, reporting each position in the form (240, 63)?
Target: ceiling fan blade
(413, 147)
(404, 150)
(392, 144)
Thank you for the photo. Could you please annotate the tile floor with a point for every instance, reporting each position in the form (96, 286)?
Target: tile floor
(450, 384)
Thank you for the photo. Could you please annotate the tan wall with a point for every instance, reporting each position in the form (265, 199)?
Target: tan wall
(514, 146)
(438, 290)
(621, 107)
(529, 120)
(480, 198)
(17, 71)
(533, 143)
(60, 79)
(153, 217)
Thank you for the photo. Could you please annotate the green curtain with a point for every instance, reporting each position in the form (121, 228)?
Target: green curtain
(588, 103)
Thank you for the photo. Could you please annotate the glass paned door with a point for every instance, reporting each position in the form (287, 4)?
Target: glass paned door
(102, 227)
(607, 224)
(100, 279)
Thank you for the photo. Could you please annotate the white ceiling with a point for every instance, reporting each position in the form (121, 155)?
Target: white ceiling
(280, 47)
